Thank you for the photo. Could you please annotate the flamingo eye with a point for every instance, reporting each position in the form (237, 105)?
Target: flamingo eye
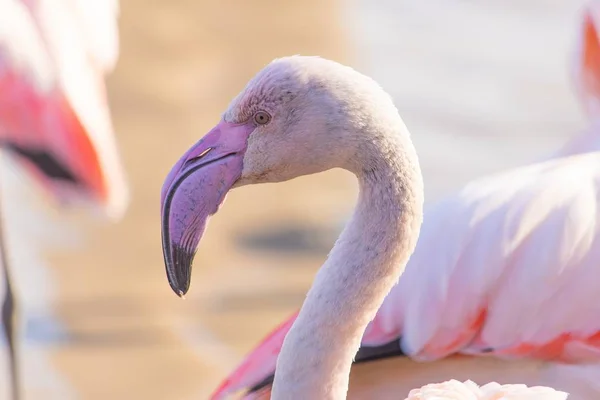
(262, 118)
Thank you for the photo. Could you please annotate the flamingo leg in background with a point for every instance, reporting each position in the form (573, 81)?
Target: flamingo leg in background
(9, 319)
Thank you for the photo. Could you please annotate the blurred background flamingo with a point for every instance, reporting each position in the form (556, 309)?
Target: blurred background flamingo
(54, 118)
(479, 271)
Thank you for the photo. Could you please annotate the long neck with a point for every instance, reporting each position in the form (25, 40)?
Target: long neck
(366, 261)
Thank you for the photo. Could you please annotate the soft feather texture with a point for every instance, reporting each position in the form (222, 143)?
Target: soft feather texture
(522, 252)
(326, 115)
(513, 249)
(468, 390)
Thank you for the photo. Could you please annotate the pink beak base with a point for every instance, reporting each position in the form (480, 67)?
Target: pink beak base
(193, 191)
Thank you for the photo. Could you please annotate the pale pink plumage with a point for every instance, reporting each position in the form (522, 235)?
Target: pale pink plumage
(468, 390)
(516, 249)
(522, 251)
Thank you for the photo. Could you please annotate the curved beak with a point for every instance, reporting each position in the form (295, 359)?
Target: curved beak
(193, 191)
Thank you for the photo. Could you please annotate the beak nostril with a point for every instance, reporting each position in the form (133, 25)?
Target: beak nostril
(205, 152)
(199, 156)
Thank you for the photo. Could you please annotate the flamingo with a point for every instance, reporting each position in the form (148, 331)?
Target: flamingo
(299, 116)
(515, 249)
(469, 390)
(54, 118)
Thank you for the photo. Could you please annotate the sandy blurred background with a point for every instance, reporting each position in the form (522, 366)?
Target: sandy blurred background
(481, 85)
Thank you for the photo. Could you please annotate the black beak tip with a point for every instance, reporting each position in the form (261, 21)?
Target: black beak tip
(179, 271)
(179, 289)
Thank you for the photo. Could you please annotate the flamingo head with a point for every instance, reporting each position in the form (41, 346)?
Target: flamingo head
(298, 116)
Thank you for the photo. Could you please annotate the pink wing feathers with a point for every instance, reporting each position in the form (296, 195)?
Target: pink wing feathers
(53, 110)
(512, 250)
(259, 364)
(520, 253)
